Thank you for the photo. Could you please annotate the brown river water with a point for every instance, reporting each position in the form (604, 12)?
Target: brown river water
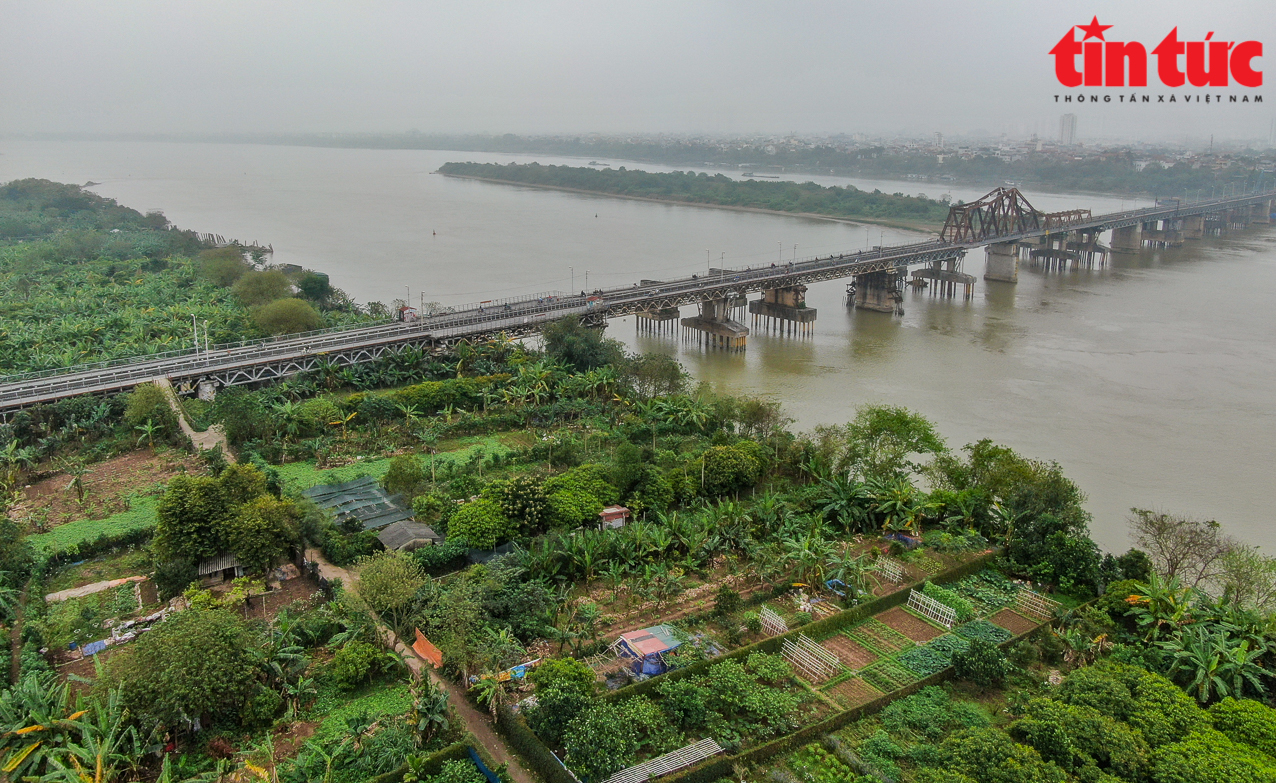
(1150, 379)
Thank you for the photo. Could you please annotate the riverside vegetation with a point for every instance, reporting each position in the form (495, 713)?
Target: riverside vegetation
(1157, 669)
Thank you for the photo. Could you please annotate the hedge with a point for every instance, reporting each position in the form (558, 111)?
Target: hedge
(816, 630)
(530, 748)
(723, 766)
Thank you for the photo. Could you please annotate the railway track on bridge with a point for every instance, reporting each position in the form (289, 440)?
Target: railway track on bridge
(264, 360)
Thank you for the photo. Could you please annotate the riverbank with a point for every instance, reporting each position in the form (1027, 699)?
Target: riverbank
(907, 225)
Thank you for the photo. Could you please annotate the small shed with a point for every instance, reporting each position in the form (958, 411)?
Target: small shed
(220, 569)
(406, 535)
(647, 648)
(614, 516)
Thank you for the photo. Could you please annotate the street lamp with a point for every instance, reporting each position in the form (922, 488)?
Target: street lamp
(795, 254)
(708, 265)
(195, 331)
(206, 338)
(573, 271)
(780, 247)
(586, 279)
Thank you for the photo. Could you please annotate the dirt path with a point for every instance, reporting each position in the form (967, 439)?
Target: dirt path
(478, 723)
(211, 438)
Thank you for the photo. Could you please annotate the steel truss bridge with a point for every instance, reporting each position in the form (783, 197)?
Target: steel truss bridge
(1002, 216)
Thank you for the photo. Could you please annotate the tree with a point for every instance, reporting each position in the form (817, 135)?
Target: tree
(654, 375)
(1247, 579)
(1184, 548)
(222, 266)
(982, 663)
(261, 531)
(601, 741)
(149, 404)
(287, 316)
(314, 286)
(197, 662)
(881, 438)
(191, 518)
(259, 288)
(405, 476)
(388, 581)
(580, 347)
(481, 523)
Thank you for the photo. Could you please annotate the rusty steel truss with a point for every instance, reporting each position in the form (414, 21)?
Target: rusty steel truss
(1003, 212)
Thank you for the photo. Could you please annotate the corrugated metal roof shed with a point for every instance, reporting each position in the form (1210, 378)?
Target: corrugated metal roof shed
(362, 499)
(399, 535)
(220, 563)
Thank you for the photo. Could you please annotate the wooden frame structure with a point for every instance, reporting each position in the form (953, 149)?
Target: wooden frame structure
(814, 662)
(931, 609)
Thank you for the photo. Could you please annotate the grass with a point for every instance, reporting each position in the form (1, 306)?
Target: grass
(135, 562)
(379, 700)
(303, 475)
(69, 537)
(80, 620)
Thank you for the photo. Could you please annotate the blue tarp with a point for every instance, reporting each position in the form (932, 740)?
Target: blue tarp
(93, 648)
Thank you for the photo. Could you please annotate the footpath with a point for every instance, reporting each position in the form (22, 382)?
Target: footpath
(211, 438)
(476, 722)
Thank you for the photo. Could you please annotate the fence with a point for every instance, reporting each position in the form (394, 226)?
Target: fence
(813, 661)
(1035, 605)
(928, 607)
(772, 623)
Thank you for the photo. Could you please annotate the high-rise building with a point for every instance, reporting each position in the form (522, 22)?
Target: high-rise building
(939, 140)
(1068, 130)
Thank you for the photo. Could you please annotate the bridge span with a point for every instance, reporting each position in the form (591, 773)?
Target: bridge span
(1002, 221)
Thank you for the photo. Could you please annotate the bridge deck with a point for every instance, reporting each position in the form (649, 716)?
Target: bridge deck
(265, 359)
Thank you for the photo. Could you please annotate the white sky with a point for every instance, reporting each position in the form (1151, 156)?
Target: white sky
(637, 66)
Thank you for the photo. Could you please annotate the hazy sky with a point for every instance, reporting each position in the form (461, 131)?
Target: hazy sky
(851, 66)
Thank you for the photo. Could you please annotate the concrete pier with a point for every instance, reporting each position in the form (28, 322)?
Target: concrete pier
(784, 310)
(1127, 239)
(656, 321)
(714, 328)
(1002, 264)
(943, 278)
(1261, 212)
(1193, 227)
(879, 291)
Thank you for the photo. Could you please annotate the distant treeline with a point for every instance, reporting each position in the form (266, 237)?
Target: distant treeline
(717, 189)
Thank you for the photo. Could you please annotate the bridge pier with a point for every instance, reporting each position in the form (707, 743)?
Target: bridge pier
(1261, 212)
(1162, 234)
(945, 277)
(1002, 264)
(1193, 227)
(784, 310)
(880, 292)
(656, 321)
(1127, 239)
(714, 328)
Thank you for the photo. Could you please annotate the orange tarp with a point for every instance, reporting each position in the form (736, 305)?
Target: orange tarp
(426, 650)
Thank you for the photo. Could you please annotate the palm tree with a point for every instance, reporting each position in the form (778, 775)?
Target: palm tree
(429, 710)
(148, 431)
(489, 693)
(846, 501)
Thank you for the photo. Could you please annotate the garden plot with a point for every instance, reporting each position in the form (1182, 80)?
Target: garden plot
(853, 692)
(910, 625)
(851, 653)
(1013, 621)
(879, 637)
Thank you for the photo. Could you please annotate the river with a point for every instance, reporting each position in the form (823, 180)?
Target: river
(1149, 380)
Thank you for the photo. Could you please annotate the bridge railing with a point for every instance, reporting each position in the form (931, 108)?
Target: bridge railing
(165, 355)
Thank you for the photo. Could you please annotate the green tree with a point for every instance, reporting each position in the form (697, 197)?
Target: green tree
(287, 316)
(881, 440)
(982, 663)
(191, 518)
(580, 347)
(601, 741)
(197, 662)
(481, 523)
(259, 288)
(222, 266)
(261, 531)
(148, 403)
(388, 581)
(406, 476)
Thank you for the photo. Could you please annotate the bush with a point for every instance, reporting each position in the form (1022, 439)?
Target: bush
(982, 663)
(148, 402)
(354, 664)
(1247, 721)
(287, 316)
(964, 609)
(405, 476)
(481, 523)
(259, 288)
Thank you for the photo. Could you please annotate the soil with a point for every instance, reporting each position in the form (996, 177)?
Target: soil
(108, 485)
(1013, 621)
(290, 738)
(910, 625)
(852, 654)
(269, 604)
(853, 692)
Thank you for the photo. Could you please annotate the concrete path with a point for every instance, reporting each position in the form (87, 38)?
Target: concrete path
(211, 438)
(90, 589)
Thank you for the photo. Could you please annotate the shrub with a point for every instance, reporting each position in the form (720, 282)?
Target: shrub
(355, 663)
(964, 609)
(148, 402)
(481, 523)
(406, 476)
(259, 288)
(287, 316)
(982, 663)
(1247, 721)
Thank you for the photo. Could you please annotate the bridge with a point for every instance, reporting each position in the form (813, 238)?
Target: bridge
(1003, 222)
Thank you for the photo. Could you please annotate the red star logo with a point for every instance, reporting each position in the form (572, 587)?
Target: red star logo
(1093, 30)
